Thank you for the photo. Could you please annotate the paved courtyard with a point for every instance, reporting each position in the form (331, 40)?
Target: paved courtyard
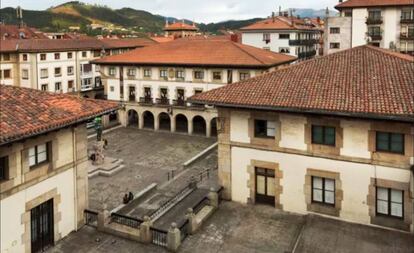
(148, 156)
(244, 229)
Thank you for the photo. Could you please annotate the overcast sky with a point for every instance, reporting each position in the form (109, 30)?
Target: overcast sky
(198, 10)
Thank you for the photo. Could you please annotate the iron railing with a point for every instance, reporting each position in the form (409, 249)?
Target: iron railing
(303, 42)
(146, 100)
(184, 230)
(91, 218)
(162, 101)
(126, 220)
(159, 236)
(373, 20)
(179, 102)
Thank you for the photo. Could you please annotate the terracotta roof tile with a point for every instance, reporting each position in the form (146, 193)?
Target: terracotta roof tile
(25, 112)
(369, 3)
(13, 32)
(361, 82)
(178, 26)
(199, 52)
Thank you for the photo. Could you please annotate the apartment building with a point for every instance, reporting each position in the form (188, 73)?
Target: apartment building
(382, 23)
(154, 82)
(284, 34)
(312, 140)
(59, 65)
(43, 166)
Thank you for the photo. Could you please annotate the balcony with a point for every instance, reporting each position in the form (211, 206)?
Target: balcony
(303, 42)
(179, 103)
(86, 87)
(146, 101)
(375, 36)
(373, 21)
(305, 55)
(407, 36)
(162, 101)
(131, 98)
(406, 20)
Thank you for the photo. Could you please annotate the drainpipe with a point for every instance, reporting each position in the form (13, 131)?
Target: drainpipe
(75, 175)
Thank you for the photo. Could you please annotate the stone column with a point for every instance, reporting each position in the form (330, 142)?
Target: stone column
(173, 238)
(140, 121)
(208, 128)
(192, 223)
(173, 126)
(156, 122)
(190, 126)
(103, 219)
(213, 197)
(145, 230)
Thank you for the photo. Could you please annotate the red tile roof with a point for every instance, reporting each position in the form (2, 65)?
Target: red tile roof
(179, 26)
(27, 112)
(372, 3)
(199, 52)
(40, 45)
(280, 23)
(360, 82)
(8, 32)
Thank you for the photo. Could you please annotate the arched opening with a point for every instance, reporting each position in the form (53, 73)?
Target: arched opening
(148, 120)
(132, 118)
(214, 127)
(164, 121)
(199, 125)
(181, 123)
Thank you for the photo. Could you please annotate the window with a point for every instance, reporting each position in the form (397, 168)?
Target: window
(38, 155)
(334, 30)
(264, 129)
(70, 55)
(266, 37)
(96, 53)
(334, 45)
(43, 57)
(180, 74)
(86, 68)
(390, 142)
(44, 73)
(284, 50)
(390, 202)
(374, 15)
(58, 71)
(374, 31)
(199, 74)
(147, 72)
(112, 71)
(244, 76)
(131, 72)
(25, 74)
(6, 73)
(24, 57)
(70, 85)
(44, 87)
(348, 13)
(406, 14)
(198, 91)
(323, 190)
(163, 73)
(6, 57)
(323, 135)
(4, 168)
(84, 54)
(284, 36)
(112, 88)
(58, 86)
(57, 56)
(216, 76)
(70, 70)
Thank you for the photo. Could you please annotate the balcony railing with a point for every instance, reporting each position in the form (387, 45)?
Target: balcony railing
(131, 98)
(373, 21)
(309, 54)
(303, 42)
(375, 36)
(406, 20)
(162, 101)
(86, 87)
(407, 36)
(146, 100)
(179, 102)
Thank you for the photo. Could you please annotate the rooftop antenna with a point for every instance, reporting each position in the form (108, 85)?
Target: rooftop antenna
(280, 10)
(19, 14)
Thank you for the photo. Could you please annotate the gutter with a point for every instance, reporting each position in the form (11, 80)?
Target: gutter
(308, 111)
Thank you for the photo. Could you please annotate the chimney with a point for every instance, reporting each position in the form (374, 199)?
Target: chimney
(273, 17)
(234, 38)
(280, 10)
(318, 19)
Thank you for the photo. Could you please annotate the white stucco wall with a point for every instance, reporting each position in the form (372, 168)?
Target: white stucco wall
(13, 207)
(359, 28)
(239, 127)
(292, 132)
(355, 143)
(391, 26)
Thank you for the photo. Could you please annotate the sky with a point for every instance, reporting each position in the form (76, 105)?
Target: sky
(197, 10)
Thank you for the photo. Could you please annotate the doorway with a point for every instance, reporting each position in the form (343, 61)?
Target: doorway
(265, 186)
(41, 226)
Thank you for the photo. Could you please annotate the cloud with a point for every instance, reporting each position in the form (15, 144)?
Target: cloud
(198, 10)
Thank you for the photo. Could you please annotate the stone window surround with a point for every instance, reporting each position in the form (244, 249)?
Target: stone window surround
(267, 142)
(251, 183)
(387, 156)
(324, 149)
(396, 223)
(333, 210)
(57, 216)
